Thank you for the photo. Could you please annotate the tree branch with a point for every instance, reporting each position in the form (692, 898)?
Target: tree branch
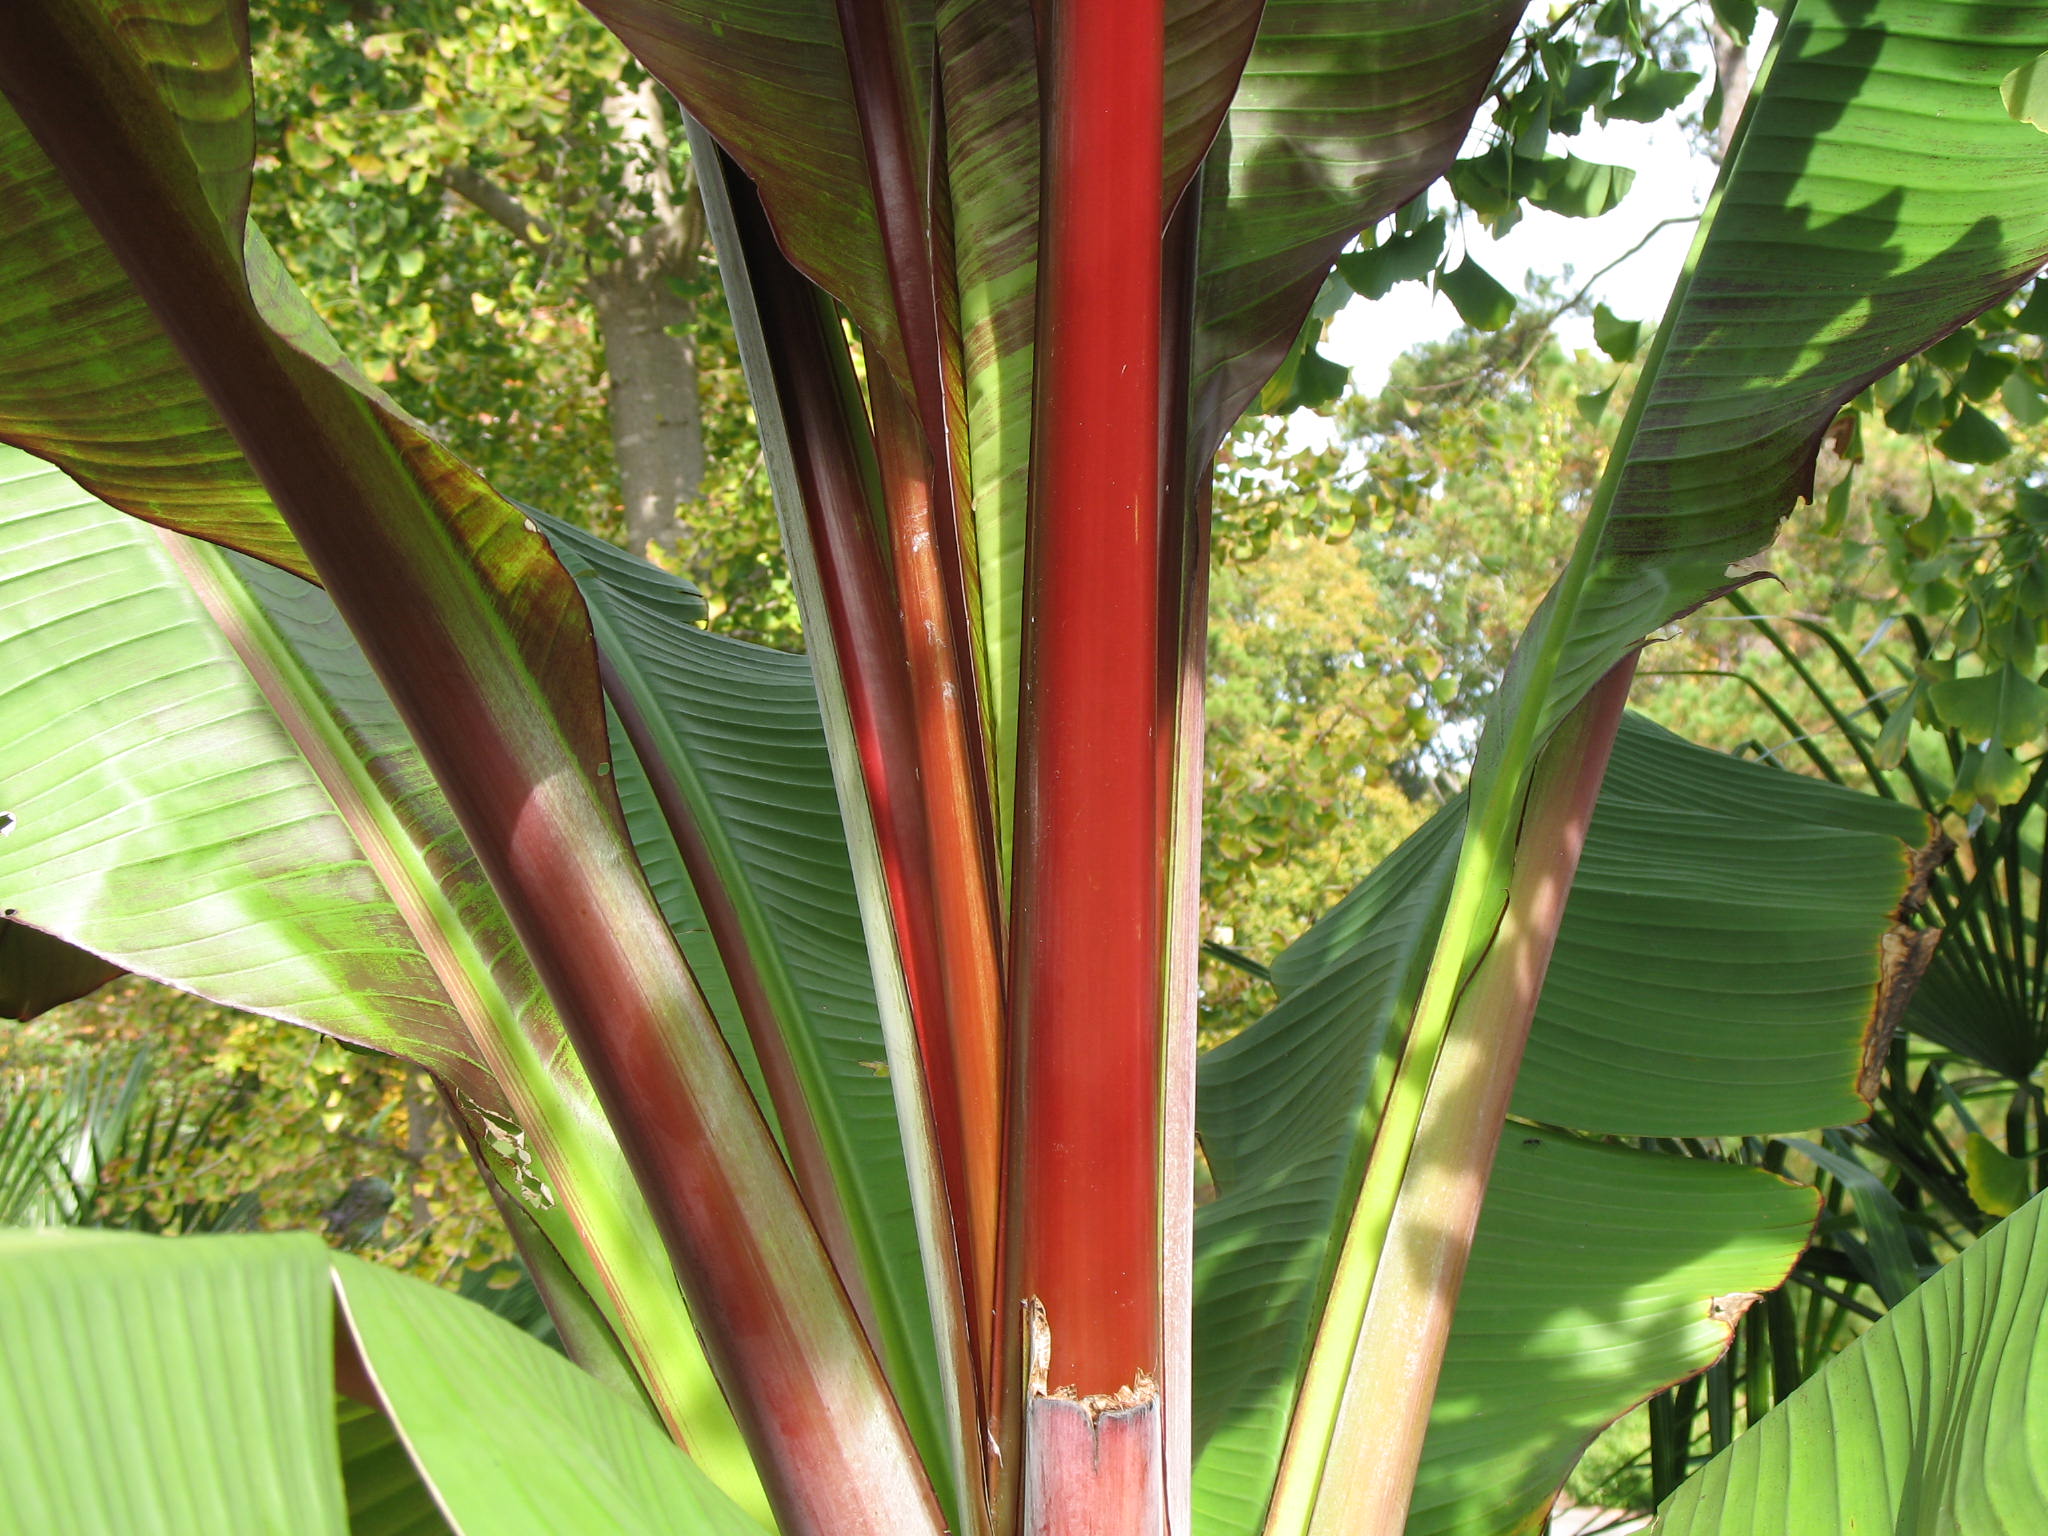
(485, 195)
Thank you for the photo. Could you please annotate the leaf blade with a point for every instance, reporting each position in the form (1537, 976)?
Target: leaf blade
(1953, 1359)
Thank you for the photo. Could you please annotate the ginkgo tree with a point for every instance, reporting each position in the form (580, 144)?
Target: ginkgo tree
(827, 1022)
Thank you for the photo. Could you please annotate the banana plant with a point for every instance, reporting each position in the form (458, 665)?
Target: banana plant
(827, 1022)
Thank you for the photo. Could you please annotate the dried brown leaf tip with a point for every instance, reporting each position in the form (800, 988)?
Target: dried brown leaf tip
(1141, 1393)
(1903, 957)
(1904, 953)
(1921, 864)
(1037, 1348)
(1727, 1310)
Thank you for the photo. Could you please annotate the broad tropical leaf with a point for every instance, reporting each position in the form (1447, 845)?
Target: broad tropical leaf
(1800, 290)
(1833, 248)
(161, 815)
(89, 379)
(229, 1339)
(144, 739)
(1932, 1422)
(482, 642)
(1287, 1109)
(386, 1496)
(739, 736)
(233, 1341)
(1540, 1360)
(558, 1451)
(1345, 112)
(1618, 1045)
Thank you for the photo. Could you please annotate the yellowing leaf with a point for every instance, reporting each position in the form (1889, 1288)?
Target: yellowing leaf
(2025, 92)
(1998, 1183)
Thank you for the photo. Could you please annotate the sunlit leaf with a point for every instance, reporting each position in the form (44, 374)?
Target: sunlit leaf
(1929, 1423)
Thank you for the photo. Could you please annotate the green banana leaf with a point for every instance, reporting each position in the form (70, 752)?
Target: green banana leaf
(1618, 1044)
(386, 1495)
(1930, 1424)
(232, 1341)
(1803, 286)
(557, 1452)
(1286, 1112)
(168, 818)
(1877, 196)
(1596, 1269)
(161, 815)
(483, 644)
(738, 728)
(88, 377)
(1344, 113)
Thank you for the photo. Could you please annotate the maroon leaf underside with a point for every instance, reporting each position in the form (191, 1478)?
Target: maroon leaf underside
(772, 85)
(1207, 44)
(39, 971)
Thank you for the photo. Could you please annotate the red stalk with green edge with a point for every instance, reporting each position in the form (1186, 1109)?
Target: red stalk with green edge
(766, 1028)
(1376, 1435)
(821, 409)
(897, 137)
(1085, 1061)
(955, 803)
(490, 666)
(823, 416)
(919, 456)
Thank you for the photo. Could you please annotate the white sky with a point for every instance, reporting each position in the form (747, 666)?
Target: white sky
(1672, 180)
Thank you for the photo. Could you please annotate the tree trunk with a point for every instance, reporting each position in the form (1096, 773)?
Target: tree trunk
(657, 421)
(1731, 59)
(657, 231)
(649, 351)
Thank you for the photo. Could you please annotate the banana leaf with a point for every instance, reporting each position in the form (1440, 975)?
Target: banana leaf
(1762, 1019)
(1931, 1422)
(234, 1341)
